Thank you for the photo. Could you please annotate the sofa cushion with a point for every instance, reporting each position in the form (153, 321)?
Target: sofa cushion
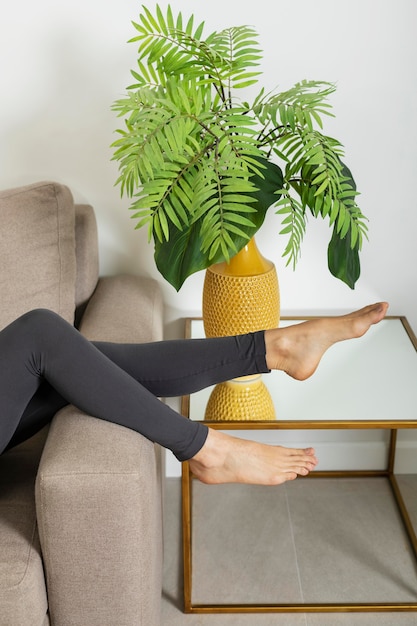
(37, 251)
(23, 598)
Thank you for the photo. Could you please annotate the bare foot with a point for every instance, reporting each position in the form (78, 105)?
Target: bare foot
(297, 349)
(226, 459)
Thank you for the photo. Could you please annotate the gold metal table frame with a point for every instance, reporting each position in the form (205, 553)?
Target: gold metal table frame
(392, 425)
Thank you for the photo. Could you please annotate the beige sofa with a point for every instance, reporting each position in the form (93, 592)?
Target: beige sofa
(80, 502)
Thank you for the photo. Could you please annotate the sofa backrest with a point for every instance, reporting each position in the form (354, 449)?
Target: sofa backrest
(43, 240)
(86, 254)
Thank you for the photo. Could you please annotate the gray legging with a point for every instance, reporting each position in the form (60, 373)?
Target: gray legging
(45, 364)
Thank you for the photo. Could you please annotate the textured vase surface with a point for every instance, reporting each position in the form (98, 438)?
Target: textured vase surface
(239, 297)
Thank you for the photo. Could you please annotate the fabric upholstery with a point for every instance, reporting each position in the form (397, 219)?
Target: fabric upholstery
(37, 251)
(140, 320)
(98, 486)
(86, 252)
(100, 483)
(23, 598)
(95, 478)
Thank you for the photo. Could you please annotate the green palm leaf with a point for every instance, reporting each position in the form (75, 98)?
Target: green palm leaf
(182, 255)
(202, 167)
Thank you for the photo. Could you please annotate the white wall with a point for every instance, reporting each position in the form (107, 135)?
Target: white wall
(64, 63)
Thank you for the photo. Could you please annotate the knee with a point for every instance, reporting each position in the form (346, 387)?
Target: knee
(37, 321)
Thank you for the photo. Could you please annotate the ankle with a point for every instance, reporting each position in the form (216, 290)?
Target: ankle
(210, 455)
(277, 347)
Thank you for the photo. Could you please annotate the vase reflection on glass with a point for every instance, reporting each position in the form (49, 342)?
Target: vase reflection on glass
(239, 297)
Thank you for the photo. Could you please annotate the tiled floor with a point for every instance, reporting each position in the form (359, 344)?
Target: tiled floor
(324, 540)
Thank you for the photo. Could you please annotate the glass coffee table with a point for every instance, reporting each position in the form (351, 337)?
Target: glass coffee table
(367, 384)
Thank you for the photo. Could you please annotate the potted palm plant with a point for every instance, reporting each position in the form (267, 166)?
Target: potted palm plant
(203, 166)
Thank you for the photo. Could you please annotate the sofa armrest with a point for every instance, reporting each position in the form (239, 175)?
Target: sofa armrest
(99, 488)
(98, 501)
(124, 309)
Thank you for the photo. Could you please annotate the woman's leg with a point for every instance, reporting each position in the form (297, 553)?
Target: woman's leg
(296, 350)
(179, 367)
(40, 345)
(38, 413)
(166, 368)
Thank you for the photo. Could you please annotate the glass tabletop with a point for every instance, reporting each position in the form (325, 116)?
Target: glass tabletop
(370, 379)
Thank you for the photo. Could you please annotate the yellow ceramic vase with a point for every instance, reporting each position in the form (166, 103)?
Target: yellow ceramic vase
(239, 297)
